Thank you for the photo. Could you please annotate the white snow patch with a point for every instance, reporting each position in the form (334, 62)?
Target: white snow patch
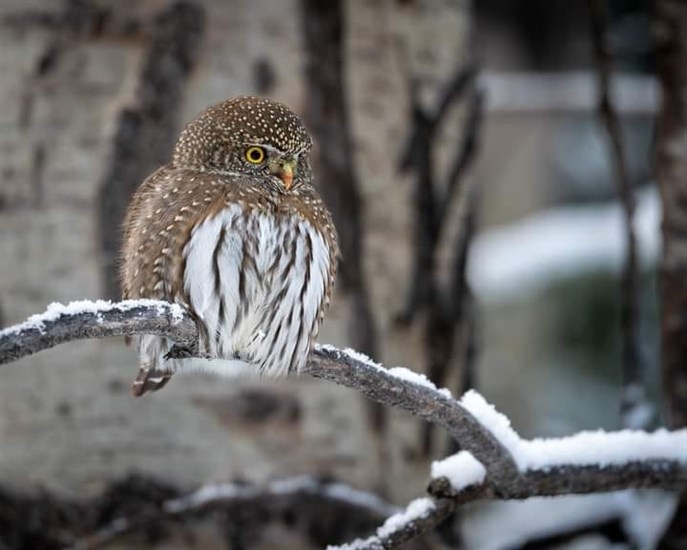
(583, 449)
(358, 356)
(57, 310)
(401, 373)
(345, 493)
(604, 448)
(514, 261)
(462, 470)
(416, 509)
(567, 91)
(304, 483)
(417, 378)
(498, 424)
(356, 544)
(510, 524)
(208, 494)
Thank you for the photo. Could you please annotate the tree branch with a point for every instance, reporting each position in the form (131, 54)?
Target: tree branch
(283, 493)
(511, 468)
(633, 375)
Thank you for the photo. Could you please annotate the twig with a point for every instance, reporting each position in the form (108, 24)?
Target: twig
(633, 375)
(430, 198)
(433, 201)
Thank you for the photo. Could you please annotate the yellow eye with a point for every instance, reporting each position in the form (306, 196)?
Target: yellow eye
(255, 155)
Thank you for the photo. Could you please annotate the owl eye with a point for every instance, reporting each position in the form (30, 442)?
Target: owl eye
(255, 155)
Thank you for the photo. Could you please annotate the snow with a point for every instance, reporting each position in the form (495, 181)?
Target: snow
(513, 261)
(344, 493)
(56, 310)
(417, 378)
(498, 424)
(401, 373)
(582, 449)
(416, 509)
(567, 91)
(208, 494)
(511, 524)
(304, 483)
(462, 470)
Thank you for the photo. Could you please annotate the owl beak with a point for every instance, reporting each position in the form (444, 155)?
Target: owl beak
(286, 173)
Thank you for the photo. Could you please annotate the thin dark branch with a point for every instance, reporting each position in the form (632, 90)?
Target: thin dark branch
(284, 493)
(468, 149)
(455, 89)
(633, 375)
(428, 195)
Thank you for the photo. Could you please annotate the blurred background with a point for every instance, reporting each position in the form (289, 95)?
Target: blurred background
(484, 245)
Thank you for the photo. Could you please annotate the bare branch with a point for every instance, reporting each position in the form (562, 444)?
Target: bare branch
(633, 375)
(286, 493)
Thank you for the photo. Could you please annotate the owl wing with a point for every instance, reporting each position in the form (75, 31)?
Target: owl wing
(158, 225)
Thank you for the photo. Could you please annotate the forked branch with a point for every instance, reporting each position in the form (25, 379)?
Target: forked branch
(495, 462)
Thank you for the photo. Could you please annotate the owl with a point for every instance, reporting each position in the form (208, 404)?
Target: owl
(234, 231)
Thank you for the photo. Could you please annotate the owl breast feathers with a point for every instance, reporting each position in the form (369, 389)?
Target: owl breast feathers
(233, 230)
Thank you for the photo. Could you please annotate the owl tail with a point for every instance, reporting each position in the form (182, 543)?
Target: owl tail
(149, 380)
(155, 371)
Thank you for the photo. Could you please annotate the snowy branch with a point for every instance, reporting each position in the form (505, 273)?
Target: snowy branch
(494, 462)
(286, 493)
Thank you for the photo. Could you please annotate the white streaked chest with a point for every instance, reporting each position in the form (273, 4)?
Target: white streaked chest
(258, 283)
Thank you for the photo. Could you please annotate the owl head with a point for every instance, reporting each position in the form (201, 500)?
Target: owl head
(248, 136)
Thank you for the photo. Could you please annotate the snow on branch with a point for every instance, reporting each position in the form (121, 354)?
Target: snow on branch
(287, 492)
(494, 461)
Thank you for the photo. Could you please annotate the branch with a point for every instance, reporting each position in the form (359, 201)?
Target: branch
(286, 493)
(633, 375)
(80, 320)
(495, 461)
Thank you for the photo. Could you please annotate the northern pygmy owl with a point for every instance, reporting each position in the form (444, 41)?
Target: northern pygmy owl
(234, 230)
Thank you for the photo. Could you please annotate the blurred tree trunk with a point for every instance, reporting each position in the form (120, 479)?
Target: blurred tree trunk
(146, 133)
(670, 27)
(328, 117)
(671, 171)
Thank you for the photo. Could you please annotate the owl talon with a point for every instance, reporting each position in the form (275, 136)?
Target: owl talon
(179, 352)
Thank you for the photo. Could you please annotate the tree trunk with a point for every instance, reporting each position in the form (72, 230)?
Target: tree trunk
(670, 27)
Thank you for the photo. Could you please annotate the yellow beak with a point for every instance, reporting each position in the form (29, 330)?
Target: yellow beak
(285, 170)
(286, 175)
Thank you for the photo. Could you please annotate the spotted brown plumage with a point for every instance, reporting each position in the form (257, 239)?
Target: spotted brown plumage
(240, 238)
